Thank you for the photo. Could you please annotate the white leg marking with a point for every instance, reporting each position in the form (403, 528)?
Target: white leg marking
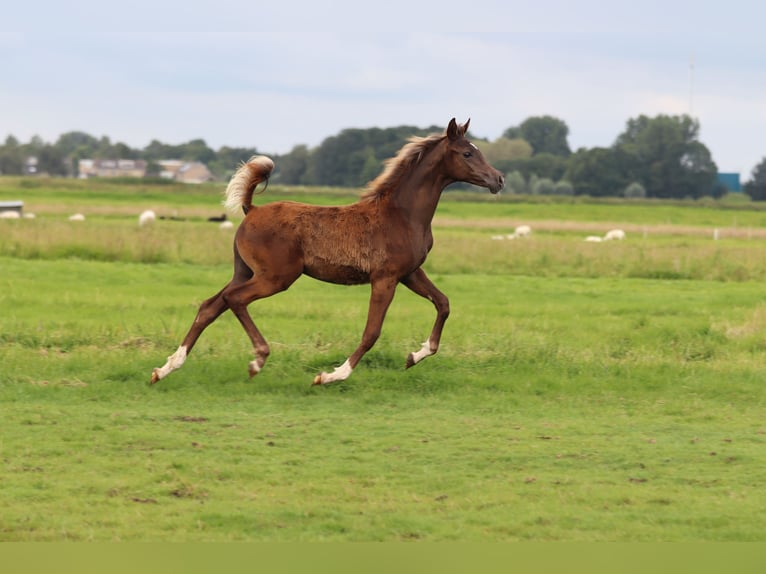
(339, 374)
(425, 351)
(174, 362)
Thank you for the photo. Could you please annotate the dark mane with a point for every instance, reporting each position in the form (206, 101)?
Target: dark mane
(398, 165)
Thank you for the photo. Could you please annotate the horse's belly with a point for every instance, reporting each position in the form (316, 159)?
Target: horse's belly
(339, 274)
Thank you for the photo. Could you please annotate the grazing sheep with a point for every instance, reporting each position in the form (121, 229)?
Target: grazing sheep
(226, 225)
(77, 217)
(521, 231)
(146, 218)
(221, 217)
(9, 215)
(617, 234)
(594, 239)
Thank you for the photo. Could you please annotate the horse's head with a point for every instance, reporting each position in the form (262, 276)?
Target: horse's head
(466, 163)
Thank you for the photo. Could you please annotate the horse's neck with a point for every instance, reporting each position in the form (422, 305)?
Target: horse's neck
(418, 195)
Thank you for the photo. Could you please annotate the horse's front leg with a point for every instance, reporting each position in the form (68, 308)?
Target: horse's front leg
(208, 312)
(419, 283)
(382, 295)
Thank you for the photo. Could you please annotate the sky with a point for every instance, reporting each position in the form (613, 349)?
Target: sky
(245, 73)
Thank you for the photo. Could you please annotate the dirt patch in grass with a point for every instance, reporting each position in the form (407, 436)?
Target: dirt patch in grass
(601, 227)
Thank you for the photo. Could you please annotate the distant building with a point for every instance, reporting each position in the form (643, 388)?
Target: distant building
(169, 167)
(175, 169)
(185, 171)
(30, 165)
(111, 168)
(730, 181)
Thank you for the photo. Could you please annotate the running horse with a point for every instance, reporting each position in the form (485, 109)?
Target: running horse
(382, 239)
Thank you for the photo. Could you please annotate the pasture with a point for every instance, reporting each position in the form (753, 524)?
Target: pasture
(582, 392)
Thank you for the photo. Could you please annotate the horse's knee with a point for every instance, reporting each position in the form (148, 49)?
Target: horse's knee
(262, 350)
(441, 302)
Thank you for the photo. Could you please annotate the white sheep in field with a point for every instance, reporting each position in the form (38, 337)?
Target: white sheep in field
(593, 239)
(146, 218)
(617, 234)
(521, 231)
(9, 215)
(77, 217)
(226, 224)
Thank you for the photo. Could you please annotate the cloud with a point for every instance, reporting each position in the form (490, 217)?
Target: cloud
(283, 73)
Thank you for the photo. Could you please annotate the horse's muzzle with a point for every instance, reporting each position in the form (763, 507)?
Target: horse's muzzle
(498, 185)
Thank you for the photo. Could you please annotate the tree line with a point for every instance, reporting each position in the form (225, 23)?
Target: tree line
(655, 157)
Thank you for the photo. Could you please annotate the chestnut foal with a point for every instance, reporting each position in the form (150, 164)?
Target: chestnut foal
(382, 239)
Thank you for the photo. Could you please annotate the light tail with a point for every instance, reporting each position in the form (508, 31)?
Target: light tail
(239, 192)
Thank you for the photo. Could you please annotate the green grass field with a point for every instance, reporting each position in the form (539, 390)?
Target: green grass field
(583, 392)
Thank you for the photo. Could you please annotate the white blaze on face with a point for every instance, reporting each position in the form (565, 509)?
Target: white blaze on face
(473, 145)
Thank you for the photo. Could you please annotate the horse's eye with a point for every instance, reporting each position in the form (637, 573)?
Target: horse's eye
(467, 154)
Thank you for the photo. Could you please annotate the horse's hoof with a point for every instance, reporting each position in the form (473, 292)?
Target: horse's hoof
(410, 361)
(317, 381)
(155, 376)
(255, 366)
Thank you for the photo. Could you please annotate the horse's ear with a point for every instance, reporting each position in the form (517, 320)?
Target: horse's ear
(453, 132)
(464, 127)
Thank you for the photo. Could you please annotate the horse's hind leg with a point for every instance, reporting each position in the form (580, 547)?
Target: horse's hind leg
(238, 297)
(208, 312)
(419, 283)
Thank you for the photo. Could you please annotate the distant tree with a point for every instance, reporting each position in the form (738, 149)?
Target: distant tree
(104, 150)
(563, 187)
(75, 146)
(515, 182)
(541, 165)
(124, 151)
(11, 160)
(198, 150)
(666, 156)
(71, 142)
(51, 160)
(292, 167)
(503, 152)
(371, 167)
(598, 172)
(345, 159)
(756, 187)
(513, 133)
(157, 150)
(545, 134)
(543, 186)
(331, 162)
(153, 169)
(634, 190)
